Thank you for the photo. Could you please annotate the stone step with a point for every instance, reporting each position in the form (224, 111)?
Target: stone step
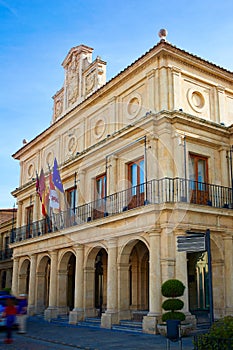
(127, 328)
(93, 319)
(59, 321)
(93, 322)
(129, 323)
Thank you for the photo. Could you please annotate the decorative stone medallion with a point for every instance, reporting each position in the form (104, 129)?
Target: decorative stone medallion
(134, 106)
(72, 144)
(99, 128)
(196, 100)
(31, 169)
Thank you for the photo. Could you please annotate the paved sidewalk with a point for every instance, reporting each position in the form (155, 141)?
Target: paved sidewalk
(87, 338)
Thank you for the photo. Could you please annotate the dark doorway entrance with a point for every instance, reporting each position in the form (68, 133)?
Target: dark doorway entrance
(71, 282)
(198, 286)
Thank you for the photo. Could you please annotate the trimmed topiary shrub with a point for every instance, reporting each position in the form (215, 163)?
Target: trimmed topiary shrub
(172, 304)
(172, 289)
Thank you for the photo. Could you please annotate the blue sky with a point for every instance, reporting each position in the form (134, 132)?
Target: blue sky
(35, 37)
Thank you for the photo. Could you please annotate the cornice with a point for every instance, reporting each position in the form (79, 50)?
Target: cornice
(161, 48)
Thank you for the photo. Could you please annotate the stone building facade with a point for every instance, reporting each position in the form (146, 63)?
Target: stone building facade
(7, 229)
(143, 158)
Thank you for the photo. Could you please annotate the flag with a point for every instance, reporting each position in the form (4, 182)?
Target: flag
(37, 185)
(41, 184)
(42, 191)
(45, 201)
(53, 195)
(56, 177)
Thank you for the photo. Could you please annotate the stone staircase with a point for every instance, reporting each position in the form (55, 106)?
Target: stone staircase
(128, 326)
(95, 322)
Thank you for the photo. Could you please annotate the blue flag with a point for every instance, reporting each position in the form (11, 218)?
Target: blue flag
(56, 177)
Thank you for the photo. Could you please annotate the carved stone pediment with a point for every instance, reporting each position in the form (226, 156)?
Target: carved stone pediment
(82, 78)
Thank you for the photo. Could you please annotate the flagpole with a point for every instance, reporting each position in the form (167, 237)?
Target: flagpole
(58, 184)
(48, 216)
(75, 189)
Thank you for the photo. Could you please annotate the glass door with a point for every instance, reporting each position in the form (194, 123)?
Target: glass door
(198, 175)
(137, 180)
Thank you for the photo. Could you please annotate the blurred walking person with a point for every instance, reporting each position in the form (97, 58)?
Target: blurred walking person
(10, 314)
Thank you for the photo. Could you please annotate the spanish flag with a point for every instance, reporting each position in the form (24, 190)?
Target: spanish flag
(43, 192)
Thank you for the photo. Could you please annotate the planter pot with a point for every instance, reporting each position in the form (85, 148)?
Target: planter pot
(186, 328)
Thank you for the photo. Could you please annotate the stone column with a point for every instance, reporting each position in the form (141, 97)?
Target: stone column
(32, 284)
(89, 291)
(62, 276)
(228, 278)
(110, 316)
(22, 283)
(181, 273)
(150, 321)
(40, 301)
(51, 311)
(8, 278)
(77, 313)
(15, 277)
(123, 291)
(168, 249)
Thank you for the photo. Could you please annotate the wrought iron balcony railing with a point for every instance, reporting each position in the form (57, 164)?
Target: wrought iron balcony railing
(166, 190)
(6, 254)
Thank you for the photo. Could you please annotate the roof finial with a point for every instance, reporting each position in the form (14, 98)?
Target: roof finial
(163, 34)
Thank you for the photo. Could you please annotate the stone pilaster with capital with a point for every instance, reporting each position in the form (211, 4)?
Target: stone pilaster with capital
(52, 311)
(77, 313)
(32, 285)
(150, 321)
(111, 316)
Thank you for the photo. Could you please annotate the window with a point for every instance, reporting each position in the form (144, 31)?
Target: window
(198, 174)
(71, 195)
(29, 220)
(100, 196)
(101, 187)
(72, 198)
(6, 248)
(136, 178)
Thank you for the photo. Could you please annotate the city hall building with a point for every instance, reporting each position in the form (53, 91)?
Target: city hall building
(143, 159)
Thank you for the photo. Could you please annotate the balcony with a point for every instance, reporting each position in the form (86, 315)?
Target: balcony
(6, 254)
(166, 190)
